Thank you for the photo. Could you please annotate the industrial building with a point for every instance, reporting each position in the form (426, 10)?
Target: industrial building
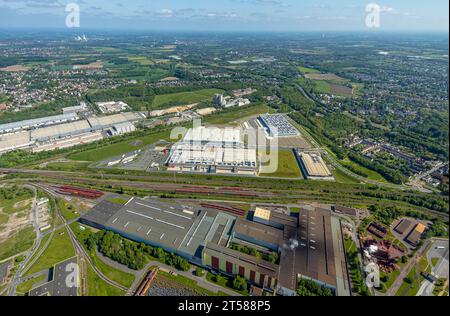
(213, 150)
(416, 234)
(45, 134)
(403, 227)
(313, 166)
(112, 107)
(39, 122)
(105, 122)
(203, 236)
(14, 141)
(65, 280)
(277, 125)
(308, 252)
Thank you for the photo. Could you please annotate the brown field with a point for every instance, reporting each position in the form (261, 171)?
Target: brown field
(326, 77)
(341, 90)
(14, 68)
(169, 79)
(94, 65)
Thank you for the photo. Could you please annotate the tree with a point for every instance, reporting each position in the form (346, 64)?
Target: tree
(239, 283)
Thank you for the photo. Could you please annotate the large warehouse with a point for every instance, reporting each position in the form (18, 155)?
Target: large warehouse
(306, 245)
(277, 125)
(62, 131)
(39, 122)
(213, 150)
(313, 166)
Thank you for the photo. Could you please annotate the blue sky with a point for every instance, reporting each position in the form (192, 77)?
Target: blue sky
(233, 15)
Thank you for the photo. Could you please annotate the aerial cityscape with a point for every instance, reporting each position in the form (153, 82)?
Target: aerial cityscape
(254, 160)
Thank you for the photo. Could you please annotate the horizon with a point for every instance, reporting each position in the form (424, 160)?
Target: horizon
(228, 15)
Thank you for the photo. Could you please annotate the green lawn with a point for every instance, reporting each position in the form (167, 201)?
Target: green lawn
(144, 61)
(41, 245)
(59, 249)
(407, 289)
(307, 70)
(342, 177)
(185, 97)
(20, 242)
(105, 152)
(118, 200)
(97, 287)
(434, 261)
(67, 211)
(26, 286)
(229, 116)
(371, 175)
(287, 166)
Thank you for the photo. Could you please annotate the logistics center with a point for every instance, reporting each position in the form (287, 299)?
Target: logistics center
(203, 235)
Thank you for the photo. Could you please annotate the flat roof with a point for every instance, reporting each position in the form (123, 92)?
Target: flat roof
(59, 286)
(37, 122)
(213, 134)
(262, 213)
(403, 226)
(171, 226)
(314, 165)
(61, 130)
(4, 267)
(308, 250)
(258, 231)
(102, 122)
(15, 140)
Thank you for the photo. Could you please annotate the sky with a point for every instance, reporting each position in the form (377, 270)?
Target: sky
(229, 15)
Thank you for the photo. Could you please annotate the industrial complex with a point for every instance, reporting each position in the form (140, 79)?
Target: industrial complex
(313, 166)
(305, 245)
(64, 131)
(213, 150)
(277, 125)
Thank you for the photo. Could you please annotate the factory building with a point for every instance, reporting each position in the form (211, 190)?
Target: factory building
(277, 125)
(122, 128)
(14, 141)
(112, 107)
(313, 166)
(203, 236)
(64, 131)
(213, 150)
(39, 122)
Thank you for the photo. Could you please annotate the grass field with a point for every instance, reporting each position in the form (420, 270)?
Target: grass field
(120, 148)
(184, 97)
(66, 210)
(307, 70)
(224, 282)
(18, 243)
(43, 241)
(231, 116)
(287, 166)
(7, 205)
(371, 175)
(407, 289)
(144, 61)
(97, 287)
(118, 200)
(59, 249)
(26, 286)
